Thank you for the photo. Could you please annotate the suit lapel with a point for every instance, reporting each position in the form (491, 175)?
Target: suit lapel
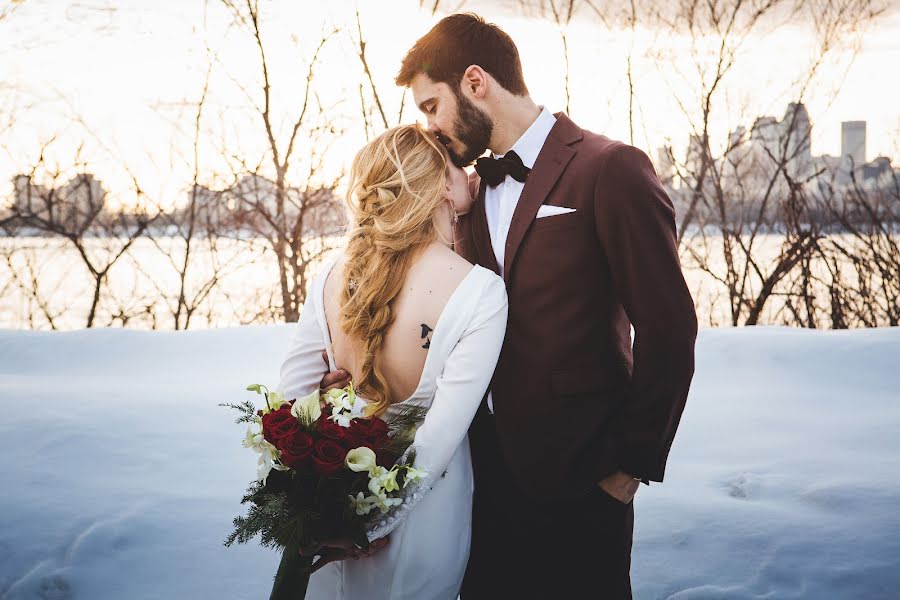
(550, 164)
(481, 235)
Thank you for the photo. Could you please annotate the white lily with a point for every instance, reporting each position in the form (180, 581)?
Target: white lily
(266, 462)
(341, 416)
(359, 406)
(307, 409)
(345, 405)
(253, 440)
(335, 397)
(275, 400)
(360, 459)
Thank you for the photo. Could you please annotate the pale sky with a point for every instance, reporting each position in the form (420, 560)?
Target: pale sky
(122, 79)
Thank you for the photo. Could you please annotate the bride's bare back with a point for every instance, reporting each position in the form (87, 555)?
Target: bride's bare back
(430, 283)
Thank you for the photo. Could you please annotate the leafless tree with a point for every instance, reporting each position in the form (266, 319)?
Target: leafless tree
(295, 218)
(735, 203)
(862, 264)
(188, 238)
(77, 213)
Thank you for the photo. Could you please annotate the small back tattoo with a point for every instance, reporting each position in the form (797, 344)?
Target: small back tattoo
(426, 333)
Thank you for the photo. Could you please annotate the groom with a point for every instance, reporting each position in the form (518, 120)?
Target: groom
(582, 232)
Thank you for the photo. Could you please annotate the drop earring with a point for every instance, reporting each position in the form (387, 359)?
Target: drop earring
(454, 216)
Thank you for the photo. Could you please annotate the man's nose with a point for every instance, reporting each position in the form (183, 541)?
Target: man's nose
(433, 128)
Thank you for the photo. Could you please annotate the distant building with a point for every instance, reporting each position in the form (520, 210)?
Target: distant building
(205, 210)
(695, 156)
(853, 142)
(82, 196)
(878, 174)
(877, 168)
(787, 141)
(798, 128)
(737, 137)
(253, 200)
(832, 165)
(28, 197)
(665, 166)
(766, 131)
(78, 203)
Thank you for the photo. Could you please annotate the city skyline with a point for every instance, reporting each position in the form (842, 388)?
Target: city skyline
(767, 130)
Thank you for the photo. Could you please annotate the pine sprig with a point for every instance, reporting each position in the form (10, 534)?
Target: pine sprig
(247, 410)
(403, 425)
(267, 510)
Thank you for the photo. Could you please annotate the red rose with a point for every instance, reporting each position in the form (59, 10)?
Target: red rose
(370, 432)
(356, 433)
(385, 459)
(296, 449)
(278, 425)
(328, 457)
(330, 429)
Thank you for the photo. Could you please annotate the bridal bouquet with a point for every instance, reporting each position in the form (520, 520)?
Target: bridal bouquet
(323, 468)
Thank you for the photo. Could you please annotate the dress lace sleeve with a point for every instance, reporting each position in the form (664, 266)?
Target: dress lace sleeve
(460, 388)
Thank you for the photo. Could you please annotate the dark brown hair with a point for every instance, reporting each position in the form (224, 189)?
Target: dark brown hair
(457, 42)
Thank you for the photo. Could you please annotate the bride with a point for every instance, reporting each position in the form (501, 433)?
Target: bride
(412, 323)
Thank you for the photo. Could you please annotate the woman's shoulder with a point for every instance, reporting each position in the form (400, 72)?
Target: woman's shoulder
(441, 256)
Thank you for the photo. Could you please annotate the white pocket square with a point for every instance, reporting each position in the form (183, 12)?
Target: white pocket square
(547, 210)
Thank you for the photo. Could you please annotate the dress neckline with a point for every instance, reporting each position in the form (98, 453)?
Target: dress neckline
(326, 332)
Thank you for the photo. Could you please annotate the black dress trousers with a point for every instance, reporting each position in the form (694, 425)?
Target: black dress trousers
(579, 548)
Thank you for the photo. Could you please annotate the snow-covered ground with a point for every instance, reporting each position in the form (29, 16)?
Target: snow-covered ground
(119, 475)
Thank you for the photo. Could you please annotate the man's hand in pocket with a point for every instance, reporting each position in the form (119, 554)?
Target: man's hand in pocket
(621, 486)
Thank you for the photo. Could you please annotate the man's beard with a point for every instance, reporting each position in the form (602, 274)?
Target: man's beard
(473, 128)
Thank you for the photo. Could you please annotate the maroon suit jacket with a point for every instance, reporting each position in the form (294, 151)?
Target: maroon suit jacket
(573, 401)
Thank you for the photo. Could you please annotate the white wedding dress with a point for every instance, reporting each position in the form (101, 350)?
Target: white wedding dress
(430, 531)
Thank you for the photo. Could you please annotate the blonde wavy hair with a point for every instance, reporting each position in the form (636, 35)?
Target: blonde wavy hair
(396, 187)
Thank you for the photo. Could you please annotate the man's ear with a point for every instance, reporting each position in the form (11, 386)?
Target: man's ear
(475, 82)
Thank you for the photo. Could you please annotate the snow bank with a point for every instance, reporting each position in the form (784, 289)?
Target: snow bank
(120, 475)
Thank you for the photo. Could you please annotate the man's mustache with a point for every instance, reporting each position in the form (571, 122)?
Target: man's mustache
(442, 139)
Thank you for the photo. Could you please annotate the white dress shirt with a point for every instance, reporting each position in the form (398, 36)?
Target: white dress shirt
(500, 202)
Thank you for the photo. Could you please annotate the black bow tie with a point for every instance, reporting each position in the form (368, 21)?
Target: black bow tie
(494, 170)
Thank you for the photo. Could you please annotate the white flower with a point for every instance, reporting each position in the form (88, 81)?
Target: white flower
(382, 481)
(336, 397)
(268, 454)
(267, 462)
(375, 481)
(384, 503)
(340, 417)
(274, 401)
(362, 504)
(389, 480)
(307, 409)
(360, 459)
(358, 406)
(254, 439)
(414, 475)
(345, 404)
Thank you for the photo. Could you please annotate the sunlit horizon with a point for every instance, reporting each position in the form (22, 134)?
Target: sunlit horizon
(124, 80)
